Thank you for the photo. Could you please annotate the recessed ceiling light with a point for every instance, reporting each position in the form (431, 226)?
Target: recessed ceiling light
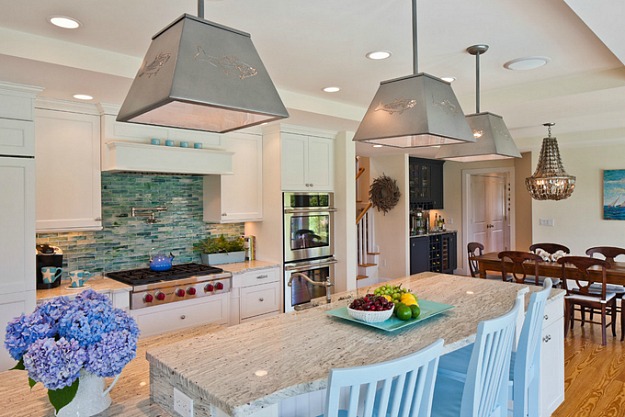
(83, 97)
(377, 55)
(378, 146)
(449, 79)
(527, 63)
(331, 89)
(64, 22)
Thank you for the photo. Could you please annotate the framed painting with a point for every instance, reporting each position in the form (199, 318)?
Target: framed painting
(614, 194)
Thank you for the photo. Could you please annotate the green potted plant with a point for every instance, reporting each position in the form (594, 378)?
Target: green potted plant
(217, 250)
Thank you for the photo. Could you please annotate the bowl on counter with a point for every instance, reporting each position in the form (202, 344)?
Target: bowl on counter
(370, 316)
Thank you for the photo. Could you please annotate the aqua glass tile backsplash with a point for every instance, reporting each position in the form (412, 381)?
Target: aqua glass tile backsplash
(125, 242)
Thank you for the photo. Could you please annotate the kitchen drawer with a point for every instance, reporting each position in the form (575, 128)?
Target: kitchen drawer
(554, 309)
(261, 276)
(181, 314)
(262, 316)
(259, 299)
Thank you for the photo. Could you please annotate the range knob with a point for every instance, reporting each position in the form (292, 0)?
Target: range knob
(219, 286)
(191, 290)
(209, 288)
(160, 296)
(148, 298)
(180, 292)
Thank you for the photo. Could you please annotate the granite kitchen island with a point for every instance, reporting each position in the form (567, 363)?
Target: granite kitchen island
(255, 369)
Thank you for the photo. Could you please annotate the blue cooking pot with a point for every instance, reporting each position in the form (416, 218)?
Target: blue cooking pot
(161, 262)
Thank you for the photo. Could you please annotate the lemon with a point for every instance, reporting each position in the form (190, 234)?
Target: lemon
(388, 297)
(408, 299)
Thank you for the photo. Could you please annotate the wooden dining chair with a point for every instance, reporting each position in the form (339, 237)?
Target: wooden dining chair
(475, 249)
(609, 253)
(580, 294)
(400, 387)
(520, 260)
(549, 247)
(483, 389)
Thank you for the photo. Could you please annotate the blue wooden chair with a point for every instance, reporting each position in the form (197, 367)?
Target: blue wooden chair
(481, 391)
(400, 387)
(525, 362)
(525, 372)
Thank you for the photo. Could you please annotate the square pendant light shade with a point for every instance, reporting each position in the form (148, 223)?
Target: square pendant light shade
(414, 111)
(493, 141)
(203, 76)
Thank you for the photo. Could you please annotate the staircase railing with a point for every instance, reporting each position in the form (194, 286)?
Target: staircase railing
(365, 230)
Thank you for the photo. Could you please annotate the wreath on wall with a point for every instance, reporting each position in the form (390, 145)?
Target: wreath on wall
(384, 193)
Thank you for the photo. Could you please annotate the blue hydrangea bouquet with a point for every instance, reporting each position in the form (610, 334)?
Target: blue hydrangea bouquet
(62, 337)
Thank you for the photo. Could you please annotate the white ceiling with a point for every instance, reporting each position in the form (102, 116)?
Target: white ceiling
(308, 45)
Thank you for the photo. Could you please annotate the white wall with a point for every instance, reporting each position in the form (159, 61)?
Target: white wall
(345, 217)
(391, 230)
(578, 220)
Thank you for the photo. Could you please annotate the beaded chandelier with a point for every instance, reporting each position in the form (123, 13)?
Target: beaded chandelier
(550, 181)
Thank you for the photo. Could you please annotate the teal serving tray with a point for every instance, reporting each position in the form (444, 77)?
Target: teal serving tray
(428, 309)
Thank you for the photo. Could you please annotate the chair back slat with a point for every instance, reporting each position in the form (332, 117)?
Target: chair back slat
(517, 269)
(608, 252)
(474, 249)
(485, 392)
(400, 387)
(549, 247)
(527, 363)
(583, 279)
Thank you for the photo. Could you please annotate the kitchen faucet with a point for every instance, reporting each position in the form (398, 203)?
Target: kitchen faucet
(327, 284)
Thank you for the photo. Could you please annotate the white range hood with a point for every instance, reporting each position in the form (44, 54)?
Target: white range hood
(129, 156)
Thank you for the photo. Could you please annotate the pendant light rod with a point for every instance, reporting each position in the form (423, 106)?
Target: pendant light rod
(549, 128)
(477, 50)
(415, 55)
(200, 9)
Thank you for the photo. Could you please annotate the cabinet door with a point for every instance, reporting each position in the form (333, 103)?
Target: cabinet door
(436, 184)
(17, 137)
(11, 306)
(320, 164)
(552, 358)
(67, 150)
(426, 183)
(237, 197)
(17, 225)
(419, 254)
(294, 158)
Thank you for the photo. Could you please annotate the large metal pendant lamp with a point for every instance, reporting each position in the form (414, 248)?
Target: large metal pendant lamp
(550, 181)
(414, 111)
(492, 135)
(203, 76)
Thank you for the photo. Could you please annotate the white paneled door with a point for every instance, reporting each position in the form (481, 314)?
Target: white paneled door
(488, 205)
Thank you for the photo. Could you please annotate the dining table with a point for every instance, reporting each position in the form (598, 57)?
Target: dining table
(490, 261)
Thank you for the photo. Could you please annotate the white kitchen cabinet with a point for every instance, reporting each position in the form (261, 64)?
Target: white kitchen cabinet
(552, 358)
(237, 197)
(307, 163)
(181, 314)
(255, 294)
(17, 222)
(67, 150)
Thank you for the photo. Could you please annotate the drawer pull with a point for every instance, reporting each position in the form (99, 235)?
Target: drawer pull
(547, 338)
(261, 299)
(262, 276)
(546, 317)
(183, 317)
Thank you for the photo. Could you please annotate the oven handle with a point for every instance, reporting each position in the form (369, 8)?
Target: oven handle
(304, 266)
(308, 210)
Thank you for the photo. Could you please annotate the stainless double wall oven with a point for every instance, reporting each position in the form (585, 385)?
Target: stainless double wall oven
(308, 244)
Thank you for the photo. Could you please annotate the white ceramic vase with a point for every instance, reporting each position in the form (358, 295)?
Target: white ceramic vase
(91, 397)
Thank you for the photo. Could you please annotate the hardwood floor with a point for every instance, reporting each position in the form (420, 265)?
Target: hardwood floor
(594, 381)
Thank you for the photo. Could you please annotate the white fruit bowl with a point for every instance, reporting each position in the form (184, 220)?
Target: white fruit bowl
(370, 316)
